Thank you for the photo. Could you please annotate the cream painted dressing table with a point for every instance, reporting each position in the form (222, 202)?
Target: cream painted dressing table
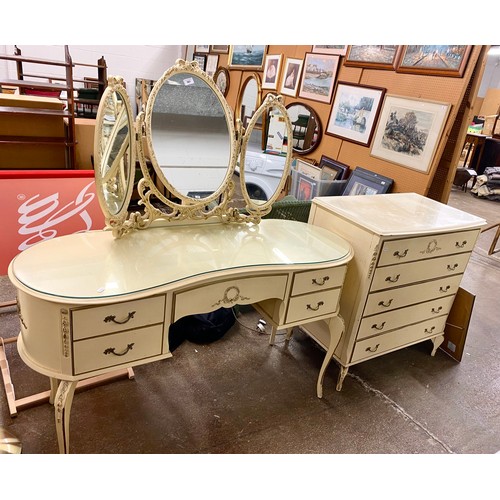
(93, 302)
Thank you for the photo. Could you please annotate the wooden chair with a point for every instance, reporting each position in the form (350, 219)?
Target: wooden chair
(495, 238)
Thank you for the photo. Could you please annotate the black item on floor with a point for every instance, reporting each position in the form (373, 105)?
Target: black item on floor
(201, 328)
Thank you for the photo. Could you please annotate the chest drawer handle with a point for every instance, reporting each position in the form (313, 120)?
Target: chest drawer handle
(451, 268)
(309, 306)
(377, 327)
(438, 310)
(393, 279)
(400, 255)
(109, 319)
(372, 349)
(111, 350)
(461, 245)
(444, 288)
(320, 282)
(385, 304)
(427, 330)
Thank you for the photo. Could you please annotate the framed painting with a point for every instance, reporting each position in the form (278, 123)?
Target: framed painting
(219, 49)
(201, 59)
(366, 182)
(306, 188)
(221, 79)
(247, 56)
(205, 49)
(408, 131)
(334, 50)
(211, 65)
(308, 169)
(271, 74)
(435, 60)
(291, 77)
(354, 112)
(318, 78)
(373, 56)
(332, 170)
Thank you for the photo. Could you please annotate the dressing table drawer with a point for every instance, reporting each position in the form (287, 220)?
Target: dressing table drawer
(117, 349)
(94, 321)
(312, 305)
(228, 293)
(320, 279)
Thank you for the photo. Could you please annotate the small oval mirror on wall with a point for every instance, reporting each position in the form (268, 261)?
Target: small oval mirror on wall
(306, 128)
(249, 99)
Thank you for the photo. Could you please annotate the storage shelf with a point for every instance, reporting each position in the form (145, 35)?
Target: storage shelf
(27, 84)
(24, 139)
(33, 111)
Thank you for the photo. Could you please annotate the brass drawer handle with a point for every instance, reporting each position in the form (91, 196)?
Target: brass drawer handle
(438, 310)
(461, 245)
(111, 350)
(430, 331)
(109, 319)
(309, 306)
(451, 268)
(385, 304)
(377, 327)
(444, 289)
(374, 349)
(400, 255)
(391, 279)
(321, 282)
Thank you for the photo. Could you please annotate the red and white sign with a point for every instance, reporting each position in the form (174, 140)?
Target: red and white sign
(37, 205)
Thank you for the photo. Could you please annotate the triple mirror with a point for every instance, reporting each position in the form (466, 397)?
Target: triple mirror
(186, 145)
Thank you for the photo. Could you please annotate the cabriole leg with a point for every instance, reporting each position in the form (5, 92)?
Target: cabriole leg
(62, 407)
(437, 341)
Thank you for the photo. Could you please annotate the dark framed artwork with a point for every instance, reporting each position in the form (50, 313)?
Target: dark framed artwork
(373, 56)
(221, 79)
(201, 59)
(354, 112)
(318, 77)
(366, 182)
(247, 56)
(333, 170)
(306, 188)
(434, 60)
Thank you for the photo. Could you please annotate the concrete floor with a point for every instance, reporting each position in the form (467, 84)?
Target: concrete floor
(241, 396)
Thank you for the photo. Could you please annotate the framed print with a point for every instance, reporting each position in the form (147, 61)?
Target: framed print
(308, 169)
(271, 74)
(318, 78)
(436, 60)
(219, 49)
(333, 170)
(201, 59)
(373, 56)
(221, 79)
(247, 56)
(291, 76)
(335, 50)
(354, 112)
(205, 49)
(408, 131)
(211, 65)
(366, 182)
(305, 188)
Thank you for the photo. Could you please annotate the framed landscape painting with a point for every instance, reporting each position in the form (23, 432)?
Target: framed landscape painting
(436, 60)
(354, 112)
(247, 56)
(318, 78)
(373, 56)
(336, 50)
(408, 131)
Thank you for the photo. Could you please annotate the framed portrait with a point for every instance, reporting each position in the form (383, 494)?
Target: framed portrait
(247, 56)
(318, 77)
(436, 60)
(219, 49)
(332, 170)
(291, 76)
(408, 131)
(366, 182)
(334, 50)
(354, 112)
(201, 59)
(211, 64)
(271, 74)
(205, 49)
(221, 79)
(373, 56)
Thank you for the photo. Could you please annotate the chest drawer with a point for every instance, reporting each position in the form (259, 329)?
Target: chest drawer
(312, 305)
(396, 339)
(394, 298)
(228, 293)
(111, 318)
(312, 281)
(426, 247)
(117, 349)
(413, 272)
(380, 323)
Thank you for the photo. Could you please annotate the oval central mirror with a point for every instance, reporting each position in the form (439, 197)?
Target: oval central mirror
(306, 128)
(114, 151)
(190, 135)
